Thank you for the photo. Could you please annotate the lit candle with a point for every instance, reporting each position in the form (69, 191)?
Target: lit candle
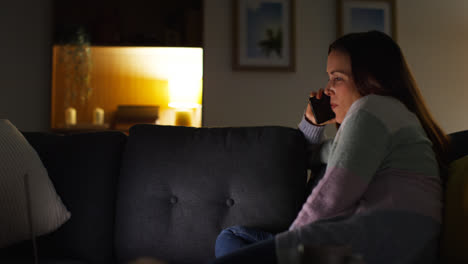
(70, 116)
(98, 116)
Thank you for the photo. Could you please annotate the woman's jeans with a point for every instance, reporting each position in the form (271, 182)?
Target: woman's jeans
(236, 237)
(239, 244)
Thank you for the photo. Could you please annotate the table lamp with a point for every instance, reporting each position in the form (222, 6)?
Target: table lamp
(184, 98)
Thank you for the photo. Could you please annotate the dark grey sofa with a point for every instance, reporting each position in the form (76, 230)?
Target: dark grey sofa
(165, 192)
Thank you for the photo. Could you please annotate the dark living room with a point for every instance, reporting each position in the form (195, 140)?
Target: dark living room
(217, 142)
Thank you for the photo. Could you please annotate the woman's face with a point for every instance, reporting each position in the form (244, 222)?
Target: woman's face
(341, 87)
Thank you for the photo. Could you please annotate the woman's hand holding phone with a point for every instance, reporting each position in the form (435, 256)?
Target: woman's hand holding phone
(319, 112)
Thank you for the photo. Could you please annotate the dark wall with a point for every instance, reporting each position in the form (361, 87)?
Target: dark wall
(25, 52)
(136, 22)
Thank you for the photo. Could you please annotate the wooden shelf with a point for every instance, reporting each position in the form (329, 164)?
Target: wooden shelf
(80, 128)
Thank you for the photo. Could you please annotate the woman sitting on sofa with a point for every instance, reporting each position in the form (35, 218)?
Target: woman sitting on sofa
(381, 193)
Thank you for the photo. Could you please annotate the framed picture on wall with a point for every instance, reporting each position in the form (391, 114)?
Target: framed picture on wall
(365, 15)
(263, 35)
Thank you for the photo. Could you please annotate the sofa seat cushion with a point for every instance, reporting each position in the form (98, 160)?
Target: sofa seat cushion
(180, 186)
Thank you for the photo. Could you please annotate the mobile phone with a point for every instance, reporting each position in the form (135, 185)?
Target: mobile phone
(321, 109)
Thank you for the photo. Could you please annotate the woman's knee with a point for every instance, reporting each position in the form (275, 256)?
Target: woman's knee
(228, 241)
(231, 230)
(228, 233)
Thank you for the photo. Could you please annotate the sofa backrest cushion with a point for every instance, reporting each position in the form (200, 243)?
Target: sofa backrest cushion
(180, 186)
(84, 169)
(454, 246)
(458, 145)
(454, 237)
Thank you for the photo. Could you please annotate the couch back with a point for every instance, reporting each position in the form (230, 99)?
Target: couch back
(180, 186)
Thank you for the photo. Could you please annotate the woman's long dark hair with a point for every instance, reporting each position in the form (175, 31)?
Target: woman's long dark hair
(379, 67)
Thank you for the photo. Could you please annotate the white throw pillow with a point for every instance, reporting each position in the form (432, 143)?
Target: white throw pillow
(17, 159)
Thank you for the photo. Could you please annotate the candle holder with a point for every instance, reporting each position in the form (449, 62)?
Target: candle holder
(98, 116)
(70, 116)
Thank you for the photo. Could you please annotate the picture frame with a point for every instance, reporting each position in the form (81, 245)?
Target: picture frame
(263, 35)
(364, 15)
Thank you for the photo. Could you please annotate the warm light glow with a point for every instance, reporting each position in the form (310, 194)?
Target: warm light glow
(184, 92)
(184, 70)
(169, 77)
(158, 62)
